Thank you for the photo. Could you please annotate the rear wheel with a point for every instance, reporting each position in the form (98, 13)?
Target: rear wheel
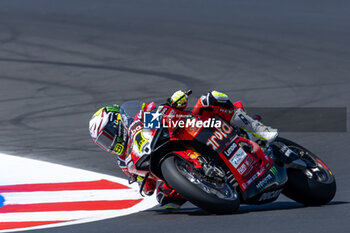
(313, 186)
(210, 195)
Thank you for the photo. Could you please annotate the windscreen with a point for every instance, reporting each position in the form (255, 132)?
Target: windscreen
(130, 109)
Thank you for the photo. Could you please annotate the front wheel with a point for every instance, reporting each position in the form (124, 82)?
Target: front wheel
(207, 194)
(313, 186)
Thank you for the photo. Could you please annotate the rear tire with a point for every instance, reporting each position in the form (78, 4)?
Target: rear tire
(192, 192)
(301, 187)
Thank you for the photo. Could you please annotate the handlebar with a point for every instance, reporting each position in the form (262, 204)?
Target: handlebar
(188, 92)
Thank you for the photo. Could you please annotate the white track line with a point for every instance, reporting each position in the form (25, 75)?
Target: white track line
(17, 170)
(69, 196)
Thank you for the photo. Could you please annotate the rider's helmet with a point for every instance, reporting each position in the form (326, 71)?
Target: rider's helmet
(179, 100)
(107, 129)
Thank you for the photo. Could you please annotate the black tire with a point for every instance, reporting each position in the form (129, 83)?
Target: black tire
(309, 190)
(193, 193)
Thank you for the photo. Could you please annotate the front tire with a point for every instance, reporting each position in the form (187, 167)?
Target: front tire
(314, 186)
(175, 172)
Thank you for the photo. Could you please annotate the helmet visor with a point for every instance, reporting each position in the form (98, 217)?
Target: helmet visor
(105, 141)
(108, 137)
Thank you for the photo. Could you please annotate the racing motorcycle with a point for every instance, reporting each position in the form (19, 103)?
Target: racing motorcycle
(219, 167)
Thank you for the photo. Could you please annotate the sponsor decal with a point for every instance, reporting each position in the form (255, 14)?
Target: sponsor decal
(230, 149)
(246, 167)
(242, 169)
(228, 111)
(118, 149)
(219, 134)
(286, 151)
(162, 109)
(255, 176)
(270, 195)
(135, 127)
(140, 140)
(264, 181)
(238, 157)
(274, 171)
(112, 108)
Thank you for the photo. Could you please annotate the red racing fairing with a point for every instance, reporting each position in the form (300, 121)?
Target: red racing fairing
(252, 169)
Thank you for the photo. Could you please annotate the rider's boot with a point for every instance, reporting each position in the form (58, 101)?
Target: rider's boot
(255, 127)
(168, 197)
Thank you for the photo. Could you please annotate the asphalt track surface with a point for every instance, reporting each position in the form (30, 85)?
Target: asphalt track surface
(61, 60)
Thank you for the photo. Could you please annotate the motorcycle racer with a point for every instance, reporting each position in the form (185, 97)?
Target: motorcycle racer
(114, 132)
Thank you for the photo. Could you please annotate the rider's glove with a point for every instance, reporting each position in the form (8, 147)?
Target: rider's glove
(179, 100)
